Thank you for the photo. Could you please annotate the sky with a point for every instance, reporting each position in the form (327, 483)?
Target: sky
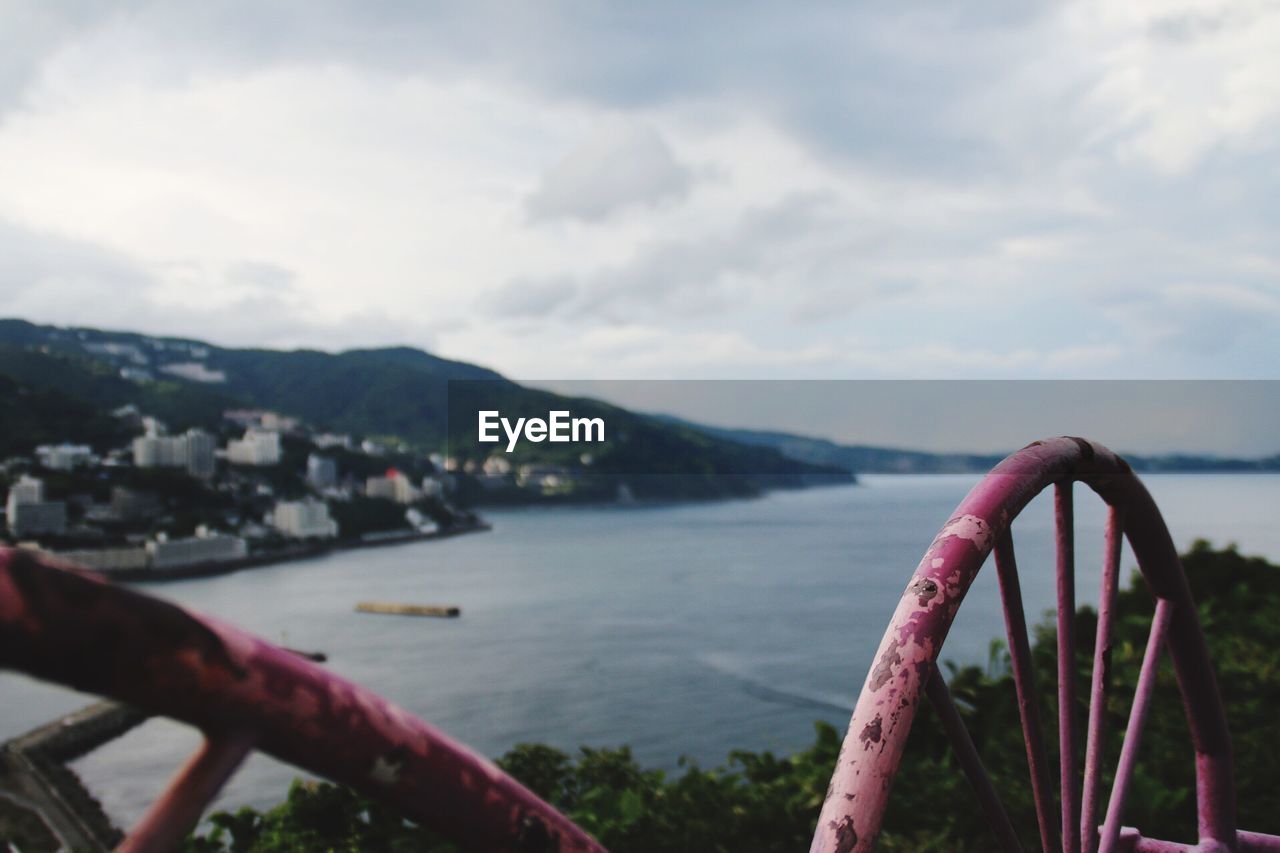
(589, 190)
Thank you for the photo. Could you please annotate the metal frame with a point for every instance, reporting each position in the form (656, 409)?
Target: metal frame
(73, 627)
(905, 670)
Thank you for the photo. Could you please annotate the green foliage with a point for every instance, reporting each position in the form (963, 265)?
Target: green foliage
(761, 802)
(362, 515)
(33, 416)
(427, 402)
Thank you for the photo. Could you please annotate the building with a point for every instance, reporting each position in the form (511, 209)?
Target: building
(200, 453)
(432, 488)
(306, 519)
(393, 486)
(193, 450)
(547, 477)
(27, 490)
(322, 472)
(326, 440)
(261, 419)
(107, 559)
(28, 513)
(496, 466)
(204, 547)
(129, 505)
(258, 447)
(64, 457)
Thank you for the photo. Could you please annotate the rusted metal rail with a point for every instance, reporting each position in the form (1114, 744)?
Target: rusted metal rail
(244, 693)
(905, 666)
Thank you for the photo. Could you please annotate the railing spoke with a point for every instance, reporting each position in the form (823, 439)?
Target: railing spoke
(1024, 682)
(1096, 736)
(177, 811)
(997, 818)
(1064, 513)
(1137, 722)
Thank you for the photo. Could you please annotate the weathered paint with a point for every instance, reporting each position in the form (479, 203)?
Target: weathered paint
(75, 628)
(859, 791)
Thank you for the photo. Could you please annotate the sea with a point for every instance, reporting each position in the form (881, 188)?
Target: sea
(682, 631)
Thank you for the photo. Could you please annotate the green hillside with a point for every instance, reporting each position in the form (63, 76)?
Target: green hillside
(396, 392)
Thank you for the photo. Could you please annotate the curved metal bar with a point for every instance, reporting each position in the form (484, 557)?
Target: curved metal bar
(877, 735)
(1068, 770)
(177, 811)
(1137, 724)
(1024, 682)
(952, 723)
(74, 628)
(1095, 744)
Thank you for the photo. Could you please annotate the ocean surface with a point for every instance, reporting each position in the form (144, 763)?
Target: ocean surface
(686, 630)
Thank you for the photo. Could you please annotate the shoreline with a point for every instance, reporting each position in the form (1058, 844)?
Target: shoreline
(289, 554)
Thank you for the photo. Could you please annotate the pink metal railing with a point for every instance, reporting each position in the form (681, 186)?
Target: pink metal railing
(244, 693)
(72, 627)
(905, 668)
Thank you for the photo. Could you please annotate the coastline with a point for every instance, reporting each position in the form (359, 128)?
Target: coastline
(288, 554)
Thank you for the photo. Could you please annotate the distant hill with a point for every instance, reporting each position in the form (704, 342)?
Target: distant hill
(396, 392)
(866, 459)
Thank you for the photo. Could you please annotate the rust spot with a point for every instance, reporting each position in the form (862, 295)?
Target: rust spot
(924, 589)
(870, 733)
(133, 625)
(883, 670)
(846, 836)
(1086, 449)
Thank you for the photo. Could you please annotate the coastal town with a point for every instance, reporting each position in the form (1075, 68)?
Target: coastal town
(261, 489)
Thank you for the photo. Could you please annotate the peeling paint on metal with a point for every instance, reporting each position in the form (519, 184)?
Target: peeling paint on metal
(969, 527)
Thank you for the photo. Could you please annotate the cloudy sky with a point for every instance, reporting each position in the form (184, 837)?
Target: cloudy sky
(596, 190)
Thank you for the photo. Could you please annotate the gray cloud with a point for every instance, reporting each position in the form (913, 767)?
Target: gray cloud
(263, 275)
(622, 165)
(692, 277)
(53, 279)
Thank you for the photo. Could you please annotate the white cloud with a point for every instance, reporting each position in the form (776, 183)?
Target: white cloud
(622, 164)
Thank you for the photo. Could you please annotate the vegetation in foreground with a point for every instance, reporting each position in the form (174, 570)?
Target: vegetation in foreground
(760, 802)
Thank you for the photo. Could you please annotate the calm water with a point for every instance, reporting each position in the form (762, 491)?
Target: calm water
(689, 630)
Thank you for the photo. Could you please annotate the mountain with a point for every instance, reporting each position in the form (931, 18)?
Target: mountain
(866, 459)
(419, 399)
(861, 458)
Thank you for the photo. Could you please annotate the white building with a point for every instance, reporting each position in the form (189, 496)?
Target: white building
(29, 513)
(258, 447)
(107, 559)
(327, 439)
(394, 486)
(204, 547)
(193, 450)
(64, 457)
(28, 490)
(306, 519)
